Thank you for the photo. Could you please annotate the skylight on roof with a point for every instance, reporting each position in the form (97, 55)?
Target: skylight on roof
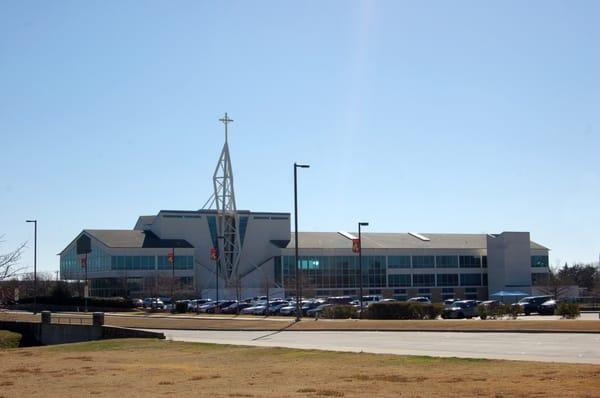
(419, 236)
(347, 235)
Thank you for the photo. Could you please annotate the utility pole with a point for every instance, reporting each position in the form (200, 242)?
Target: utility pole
(298, 271)
(34, 265)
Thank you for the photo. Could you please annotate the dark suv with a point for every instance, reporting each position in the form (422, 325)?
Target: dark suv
(532, 303)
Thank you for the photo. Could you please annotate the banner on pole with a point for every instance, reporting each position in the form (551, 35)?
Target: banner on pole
(355, 245)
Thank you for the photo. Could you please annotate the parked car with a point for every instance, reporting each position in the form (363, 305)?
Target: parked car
(491, 303)
(339, 300)
(423, 300)
(289, 309)
(274, 307)
(137, 302)
(460, 309)
(309, 305)
(450, 301)
(153, 303)
(255, 309)
(548, 307)
(233, 308)
(532, 303)
(193, 305)
(317, 310)
(217, 305)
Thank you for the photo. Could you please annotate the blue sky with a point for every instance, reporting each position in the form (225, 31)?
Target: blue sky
(432, 116)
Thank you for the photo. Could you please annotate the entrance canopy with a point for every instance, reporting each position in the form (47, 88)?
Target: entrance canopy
(506, 293)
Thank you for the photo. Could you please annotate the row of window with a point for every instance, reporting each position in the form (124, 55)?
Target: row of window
(150, 263)
(428, 280)
(437, 261)
(340, 272)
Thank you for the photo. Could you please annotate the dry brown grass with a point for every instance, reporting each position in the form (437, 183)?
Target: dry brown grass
(143, 368)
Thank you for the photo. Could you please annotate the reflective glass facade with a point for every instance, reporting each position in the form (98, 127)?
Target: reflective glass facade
(446, 261)
(539, 261)
(470, 279)
(99, 261)
(470, 261)
(423, 279)
(398, 261)
(447, 279)
(342, 272)
(403, 280)
(324, 272)
(423, 261)
(181, 262)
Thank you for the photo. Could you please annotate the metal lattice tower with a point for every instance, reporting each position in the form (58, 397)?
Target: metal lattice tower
(223, 200)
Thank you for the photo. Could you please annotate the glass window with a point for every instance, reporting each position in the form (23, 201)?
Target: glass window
(447, 279)
(470, 279)
(423, 280)
(484, 261)
(399, 280)
(446, 261)
(398, 261)
(539, 261)
(423, 261)
(470, 262)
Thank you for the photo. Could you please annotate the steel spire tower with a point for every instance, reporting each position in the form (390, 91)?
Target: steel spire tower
(223, 200)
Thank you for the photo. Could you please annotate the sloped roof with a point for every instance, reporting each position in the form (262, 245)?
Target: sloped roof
(120, 238)
(333, 240)
(143, 221)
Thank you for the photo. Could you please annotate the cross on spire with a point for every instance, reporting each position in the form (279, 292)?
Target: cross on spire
(226, 120)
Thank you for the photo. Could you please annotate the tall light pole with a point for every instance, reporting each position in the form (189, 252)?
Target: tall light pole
(360, 224)
(298, 273)
(34, 264)
(217, 266)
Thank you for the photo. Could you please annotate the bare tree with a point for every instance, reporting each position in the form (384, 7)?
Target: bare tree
(553, 284)
(9, 262)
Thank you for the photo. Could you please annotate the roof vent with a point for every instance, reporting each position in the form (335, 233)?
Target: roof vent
(419, 236)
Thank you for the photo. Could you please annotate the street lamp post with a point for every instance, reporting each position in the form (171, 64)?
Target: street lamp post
(172, 273)
(298, 272)
(34, 264)
(360, 224)
(217, 266)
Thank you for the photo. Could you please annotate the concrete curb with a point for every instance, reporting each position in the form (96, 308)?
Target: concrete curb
(532, 331)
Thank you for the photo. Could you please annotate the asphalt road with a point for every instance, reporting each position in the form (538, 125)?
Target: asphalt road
(546, 347)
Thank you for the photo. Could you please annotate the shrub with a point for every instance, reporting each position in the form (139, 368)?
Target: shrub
(108, 302)
(512, 311)
(483, 311)
(9, 339)
(404, 310)
(181, 307)
(60, 292)
(339, 312)
(568, 310)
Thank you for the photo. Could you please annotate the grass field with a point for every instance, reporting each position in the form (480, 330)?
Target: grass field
(143, 368)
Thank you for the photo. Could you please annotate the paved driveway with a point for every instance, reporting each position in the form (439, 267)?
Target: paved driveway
(547, 347)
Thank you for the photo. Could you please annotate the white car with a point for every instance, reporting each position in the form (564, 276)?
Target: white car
(422, 300)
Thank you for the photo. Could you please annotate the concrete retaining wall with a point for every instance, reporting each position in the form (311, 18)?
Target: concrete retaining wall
(47, 333)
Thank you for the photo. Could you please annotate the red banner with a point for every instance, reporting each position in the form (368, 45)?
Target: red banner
(214, 253)
(355, 245)
(171, 256)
